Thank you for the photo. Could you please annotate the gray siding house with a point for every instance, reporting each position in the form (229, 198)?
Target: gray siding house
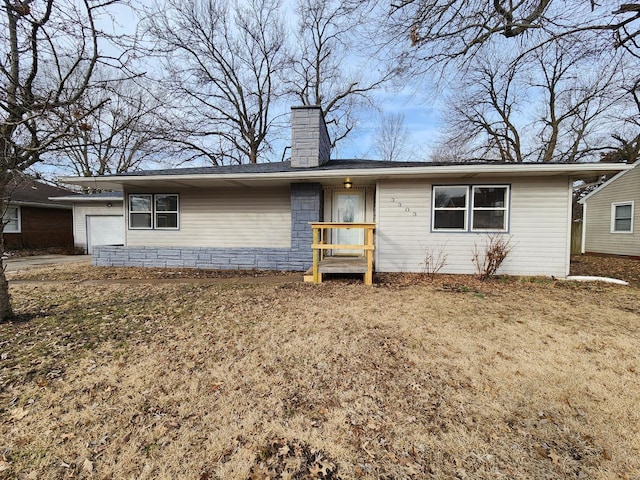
(258, 216)
(611, 216)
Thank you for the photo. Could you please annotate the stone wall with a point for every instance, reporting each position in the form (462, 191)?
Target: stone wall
(310, 143)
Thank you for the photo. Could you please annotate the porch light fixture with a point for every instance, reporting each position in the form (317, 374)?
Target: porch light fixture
(348, 183)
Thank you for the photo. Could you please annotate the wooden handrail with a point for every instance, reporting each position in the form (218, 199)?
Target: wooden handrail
(319, 245)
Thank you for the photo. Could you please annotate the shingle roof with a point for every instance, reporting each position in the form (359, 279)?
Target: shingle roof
(26, 190)
(278, 167)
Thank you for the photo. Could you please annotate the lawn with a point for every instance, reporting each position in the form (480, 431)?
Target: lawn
(410, 378)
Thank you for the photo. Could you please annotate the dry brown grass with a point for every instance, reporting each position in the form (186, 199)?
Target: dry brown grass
(450, 378)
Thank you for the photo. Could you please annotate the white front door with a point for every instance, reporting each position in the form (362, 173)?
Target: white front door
(348, 207)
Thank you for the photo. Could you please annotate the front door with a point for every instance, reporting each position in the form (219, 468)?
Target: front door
(348, 207)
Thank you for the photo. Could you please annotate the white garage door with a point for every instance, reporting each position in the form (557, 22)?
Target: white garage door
(104, 230)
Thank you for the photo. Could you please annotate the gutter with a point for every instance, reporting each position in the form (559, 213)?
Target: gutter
(397, 172)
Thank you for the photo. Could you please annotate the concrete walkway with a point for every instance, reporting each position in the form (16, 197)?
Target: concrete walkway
(26, 263)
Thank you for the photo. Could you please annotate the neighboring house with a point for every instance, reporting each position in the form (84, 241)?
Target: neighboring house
(98, 219)
(611, 215)
(257, 216)
(32, 220)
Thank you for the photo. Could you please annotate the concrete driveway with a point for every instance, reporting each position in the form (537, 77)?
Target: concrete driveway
(26, 263)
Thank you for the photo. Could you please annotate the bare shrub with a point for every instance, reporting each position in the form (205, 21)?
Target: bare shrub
(497, 248)
(435, 259)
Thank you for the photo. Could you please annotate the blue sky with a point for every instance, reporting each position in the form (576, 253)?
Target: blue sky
(417, 105)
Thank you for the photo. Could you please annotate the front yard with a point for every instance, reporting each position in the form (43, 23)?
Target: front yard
(411, 378)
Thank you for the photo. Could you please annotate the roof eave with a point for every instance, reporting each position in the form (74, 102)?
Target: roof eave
(611, 180)
(20, 203)
(80, 198)
(460, 171)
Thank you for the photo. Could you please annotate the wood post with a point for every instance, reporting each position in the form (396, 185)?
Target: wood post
(319, 246)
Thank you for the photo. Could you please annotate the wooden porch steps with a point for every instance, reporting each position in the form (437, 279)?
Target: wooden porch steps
(339, 264)
(324, 262)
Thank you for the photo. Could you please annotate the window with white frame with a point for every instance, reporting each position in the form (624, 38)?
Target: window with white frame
(477, 208)
(622, 217)
(11, 219)
(489, 209)
(153, 211)
(450, 207)
(166, 211)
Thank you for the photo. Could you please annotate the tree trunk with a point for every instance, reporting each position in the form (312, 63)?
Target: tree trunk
(6, 312)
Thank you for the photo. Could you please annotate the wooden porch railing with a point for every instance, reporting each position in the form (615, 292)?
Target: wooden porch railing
(320, 247)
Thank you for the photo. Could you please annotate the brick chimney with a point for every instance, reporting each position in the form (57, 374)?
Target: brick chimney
(310, 144)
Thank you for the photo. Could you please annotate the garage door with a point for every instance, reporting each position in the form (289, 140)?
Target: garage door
(104, 230)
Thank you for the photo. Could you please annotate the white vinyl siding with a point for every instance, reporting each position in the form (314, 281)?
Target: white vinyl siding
(538, 228)
(225, 218)
(599, 237)
(83, 210)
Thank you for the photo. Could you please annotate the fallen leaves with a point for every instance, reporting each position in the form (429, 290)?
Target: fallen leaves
(87, 466)
(282, 459)
(404, 383)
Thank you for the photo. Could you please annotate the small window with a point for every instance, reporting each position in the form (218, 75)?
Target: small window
(11, 219)
(148, 211)
(140, 211)
(489, 208)
(622, 217)
(166, 211)
(450, 208)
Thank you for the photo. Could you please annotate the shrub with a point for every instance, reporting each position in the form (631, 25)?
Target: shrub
(434, 260)
(497, 248)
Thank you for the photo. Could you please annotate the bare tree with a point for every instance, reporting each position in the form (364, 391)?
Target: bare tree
(578, 89)
(122, 130)
(326, 69)
(444, 30)
(446, 37)
(47, 59)
(550, 106)
(223, 63)
(392, 140)
(483, 113)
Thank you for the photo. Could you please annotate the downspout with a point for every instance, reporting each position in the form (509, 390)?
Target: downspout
(569, 225)
(583, 245)
(376, 219)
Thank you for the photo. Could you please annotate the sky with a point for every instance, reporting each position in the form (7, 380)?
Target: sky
(420, 110)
